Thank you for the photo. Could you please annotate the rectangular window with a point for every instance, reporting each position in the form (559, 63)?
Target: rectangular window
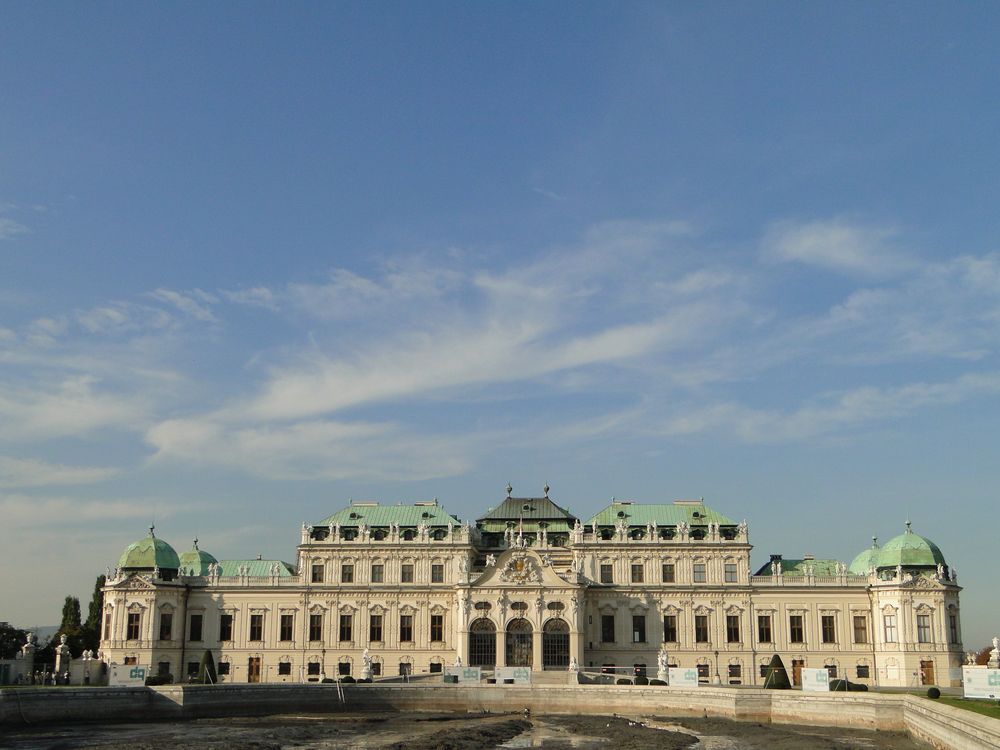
(346, 627)
(313, 669)
(437, 573)
(953, 628)
(376, 668)
(256, 627)
(347, 573)
(764, 628)
(132, 629)
(166, 626)
(829, 628)
(831, 670)
(107, 627)
(284, 667)
(406, 573)
(131, 660)
(406, 628)
(607, 628)
(316, 627)
(436, 667)
(732, 629)
(378, 573)
(437, 627)
(735, 673)
(638, 628)
(287, 625)
(405, 668)
(701, 628)
(223, 668)
(375, 628)
(699, 572)
(702, 673)
(163, 667)
(637, 573)
(670, 628)
(796, 630)
(730, 571)
(863, 671)
(225, 627)
(890, 628)
(606, 575)
(195, 630)
(344, 668)
(668, 573)
(192, 668)
(860, 629)
(317, 572)
(923, 628)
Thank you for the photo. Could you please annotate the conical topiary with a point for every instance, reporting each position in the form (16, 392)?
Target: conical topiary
(775, 676)
(206, 670)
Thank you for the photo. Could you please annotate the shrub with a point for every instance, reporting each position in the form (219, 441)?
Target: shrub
(206, 670)
(838, 685)
(327, 679)
(347, 678)
(933, 693)
(160, 679)
(655, 681)
(641, 681)
(623, 681)
(775, 676)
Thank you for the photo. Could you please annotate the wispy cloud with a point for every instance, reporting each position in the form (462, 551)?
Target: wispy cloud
(74, 406)
(10, 229)
(836, 245)
(30, 472)
(195, 303)
(258, 296)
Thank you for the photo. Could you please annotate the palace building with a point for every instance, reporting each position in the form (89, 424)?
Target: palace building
(529, 584)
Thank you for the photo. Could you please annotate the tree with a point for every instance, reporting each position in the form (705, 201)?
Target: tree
(11, 640)
(983, 655)
(775, 676)
(92, 627)
(70, 613)
(206, 670)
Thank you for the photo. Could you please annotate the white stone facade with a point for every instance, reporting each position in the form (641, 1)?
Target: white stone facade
(422, 598)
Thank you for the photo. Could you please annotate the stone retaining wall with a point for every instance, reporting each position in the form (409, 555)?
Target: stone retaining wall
(941, 725)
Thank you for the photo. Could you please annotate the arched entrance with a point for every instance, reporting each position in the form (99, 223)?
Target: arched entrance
(555, 645)
(519, 643)
(482, 643)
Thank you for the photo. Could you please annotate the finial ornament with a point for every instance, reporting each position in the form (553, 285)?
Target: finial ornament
(196, 542)
(509, 489)
(152, 528)
(908, 525)
(546, 489)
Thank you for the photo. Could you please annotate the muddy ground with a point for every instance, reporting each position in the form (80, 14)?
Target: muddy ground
(449, 732)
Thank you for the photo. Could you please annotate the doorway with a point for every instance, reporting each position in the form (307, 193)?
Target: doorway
(519, 652)
(253, 669)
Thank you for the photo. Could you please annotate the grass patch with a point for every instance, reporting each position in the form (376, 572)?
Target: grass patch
(984, 707)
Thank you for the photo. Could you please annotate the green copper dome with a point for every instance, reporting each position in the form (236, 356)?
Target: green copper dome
(196, 561)
(148, 553)
(910, 550)
(866, 560)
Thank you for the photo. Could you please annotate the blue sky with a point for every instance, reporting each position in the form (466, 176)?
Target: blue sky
(257, 259)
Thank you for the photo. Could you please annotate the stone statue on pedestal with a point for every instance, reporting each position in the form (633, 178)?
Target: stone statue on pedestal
(661, 666)
(366, 665)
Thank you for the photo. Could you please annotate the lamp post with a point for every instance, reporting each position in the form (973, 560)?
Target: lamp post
(718, 680)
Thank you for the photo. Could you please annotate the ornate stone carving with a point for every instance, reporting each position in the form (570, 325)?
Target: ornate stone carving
(521, 568)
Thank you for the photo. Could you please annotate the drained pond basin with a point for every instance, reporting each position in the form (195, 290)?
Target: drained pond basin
(420, 731)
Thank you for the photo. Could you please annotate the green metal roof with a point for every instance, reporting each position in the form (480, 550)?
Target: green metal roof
(866, 560)
(528, 509)
(374, 514)
(255, 567)
(909, 549)
(662, 514)
(148, 553)
(790, 567)
(197, 560)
